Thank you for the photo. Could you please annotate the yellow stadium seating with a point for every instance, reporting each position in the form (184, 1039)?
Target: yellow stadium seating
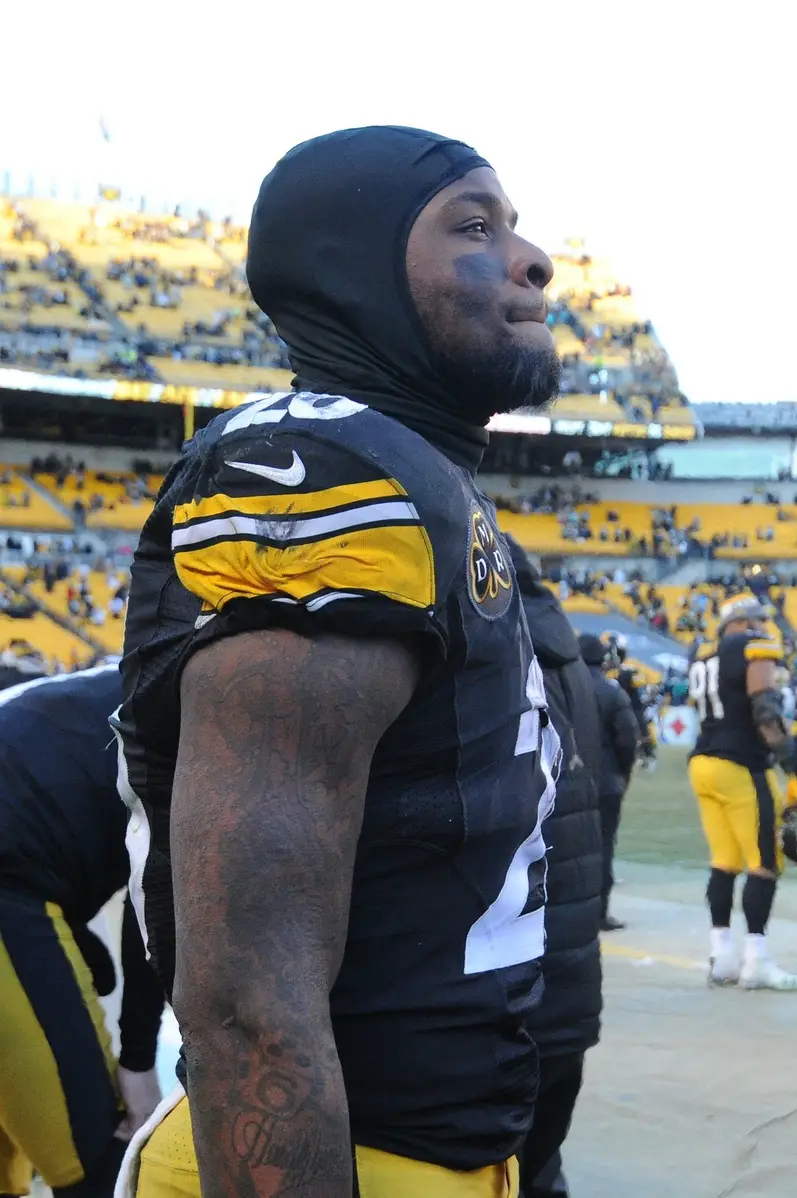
(36, 513)
(118, 510)
(56, 644)
(566, 340)
(109, 635)
(198, 304)
(543, 533)
(605, 308)
(189, 372)
(674, 597)
(98, 234)
(234, 250)
(94, 233)
(587, 407)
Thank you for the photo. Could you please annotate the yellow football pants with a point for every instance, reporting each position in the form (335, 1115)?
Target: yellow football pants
(58, 1102)
(168, 1169)
(740, 812)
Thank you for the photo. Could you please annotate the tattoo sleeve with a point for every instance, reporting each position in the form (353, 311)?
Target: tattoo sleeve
(277, 735)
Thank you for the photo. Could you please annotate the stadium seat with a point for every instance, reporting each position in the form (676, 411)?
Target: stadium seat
(191, 372)
(60, 647)
(57, 645)
(109, 635)
(21, 506)
(543, 533)
(115, 508)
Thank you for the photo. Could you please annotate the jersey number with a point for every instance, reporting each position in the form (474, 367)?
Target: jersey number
(503, 935)
(704, 678)
(271, 409)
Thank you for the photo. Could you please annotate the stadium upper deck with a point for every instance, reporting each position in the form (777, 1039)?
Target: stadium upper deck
(101, 292)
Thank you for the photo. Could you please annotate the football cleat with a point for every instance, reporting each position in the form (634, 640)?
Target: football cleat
(723, 969)
(764, 974)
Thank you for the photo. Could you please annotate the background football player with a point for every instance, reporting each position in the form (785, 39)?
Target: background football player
(66, 1107)
(736, 686)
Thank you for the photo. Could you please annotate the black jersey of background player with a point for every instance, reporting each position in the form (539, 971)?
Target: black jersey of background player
(62, 826)
(320, 514)
(718, 688)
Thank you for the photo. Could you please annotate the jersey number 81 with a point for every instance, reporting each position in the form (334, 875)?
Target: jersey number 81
(704, 677)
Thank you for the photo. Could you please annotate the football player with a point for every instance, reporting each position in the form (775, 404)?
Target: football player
(66, 1107)
(736, 688)
(334, 727)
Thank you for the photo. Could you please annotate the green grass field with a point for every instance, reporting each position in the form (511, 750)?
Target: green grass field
(660, 824)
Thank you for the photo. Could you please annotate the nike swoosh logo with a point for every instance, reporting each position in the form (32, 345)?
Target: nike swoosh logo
(289, 476)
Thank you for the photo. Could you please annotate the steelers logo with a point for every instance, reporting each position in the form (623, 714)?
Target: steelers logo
(489, 573)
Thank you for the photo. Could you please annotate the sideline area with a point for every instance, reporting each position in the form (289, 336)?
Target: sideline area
(691, 1092)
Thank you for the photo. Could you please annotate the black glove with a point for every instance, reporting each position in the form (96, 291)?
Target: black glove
(786, 755)
(788, 833)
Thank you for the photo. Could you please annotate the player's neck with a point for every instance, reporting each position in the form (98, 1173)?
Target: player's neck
(462, 443)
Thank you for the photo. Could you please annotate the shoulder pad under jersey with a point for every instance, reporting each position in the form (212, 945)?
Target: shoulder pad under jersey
(319, 513)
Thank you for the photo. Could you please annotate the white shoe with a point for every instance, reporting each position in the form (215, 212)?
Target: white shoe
(764, 974)
(723, 969)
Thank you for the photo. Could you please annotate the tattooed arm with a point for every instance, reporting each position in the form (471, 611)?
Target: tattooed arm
(276, 739)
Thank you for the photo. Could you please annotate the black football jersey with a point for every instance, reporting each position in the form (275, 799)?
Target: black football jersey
(718, 688)
(319, 514)
(62, 824)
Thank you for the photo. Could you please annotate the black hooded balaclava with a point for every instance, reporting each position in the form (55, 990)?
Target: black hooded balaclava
(327, 263)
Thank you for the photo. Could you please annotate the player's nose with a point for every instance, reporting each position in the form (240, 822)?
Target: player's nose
(531, 266)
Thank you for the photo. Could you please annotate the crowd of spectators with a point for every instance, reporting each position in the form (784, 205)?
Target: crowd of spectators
(618, 362)
(236, 333)
(66, 472)
(60, 281)
(10, 496)
(164, 288)
(13, 605)
(83, 605)
(547, 499)
(668, 538)
(698, 607)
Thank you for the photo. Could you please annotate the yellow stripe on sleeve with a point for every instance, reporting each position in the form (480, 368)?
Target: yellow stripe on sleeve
(762, 651)
(395, 561)
(288, 504)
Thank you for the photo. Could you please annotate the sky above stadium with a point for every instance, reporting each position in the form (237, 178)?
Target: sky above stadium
(663, 134)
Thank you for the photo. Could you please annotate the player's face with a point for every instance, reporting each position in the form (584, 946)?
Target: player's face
(479, 290)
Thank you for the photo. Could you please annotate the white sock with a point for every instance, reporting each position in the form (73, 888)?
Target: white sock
(721, 941)
(755, 947)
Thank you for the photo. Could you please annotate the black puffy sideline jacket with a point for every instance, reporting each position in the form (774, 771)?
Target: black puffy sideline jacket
(619, 734)
(568, 1019)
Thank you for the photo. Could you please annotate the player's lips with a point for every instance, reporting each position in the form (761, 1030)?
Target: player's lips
(521, 314)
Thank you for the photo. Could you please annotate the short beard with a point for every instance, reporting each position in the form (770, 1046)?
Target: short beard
(512, 376)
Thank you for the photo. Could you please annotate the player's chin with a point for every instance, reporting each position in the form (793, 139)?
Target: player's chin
(534, 380)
